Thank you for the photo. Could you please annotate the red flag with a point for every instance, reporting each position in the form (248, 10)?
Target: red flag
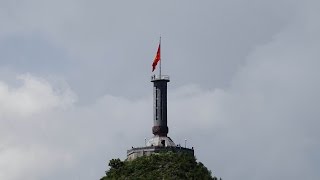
(156, 59)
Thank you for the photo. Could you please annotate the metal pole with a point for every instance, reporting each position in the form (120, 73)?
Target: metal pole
(160, 57)
(185, 143)
(145, 141)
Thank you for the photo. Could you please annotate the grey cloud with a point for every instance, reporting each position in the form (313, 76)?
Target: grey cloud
(108, 40)
(243, 91)
(33, 96)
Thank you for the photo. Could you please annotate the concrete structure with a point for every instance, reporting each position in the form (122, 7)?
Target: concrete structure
(148, 150)
(160, 142)
(160, 127)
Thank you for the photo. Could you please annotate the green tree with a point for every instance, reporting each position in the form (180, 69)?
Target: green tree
(160, 166)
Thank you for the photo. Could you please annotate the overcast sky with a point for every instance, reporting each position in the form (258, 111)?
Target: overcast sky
(75, 86)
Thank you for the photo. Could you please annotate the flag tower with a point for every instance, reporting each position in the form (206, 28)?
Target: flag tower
(160, 127)
(160, 141)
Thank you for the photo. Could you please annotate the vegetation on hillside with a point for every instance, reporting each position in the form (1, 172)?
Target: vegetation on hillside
(160, 166)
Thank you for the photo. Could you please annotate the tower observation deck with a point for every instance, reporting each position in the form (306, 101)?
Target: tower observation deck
(160, 141)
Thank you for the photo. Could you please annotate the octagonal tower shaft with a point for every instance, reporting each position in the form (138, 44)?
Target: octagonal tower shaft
(160, 126)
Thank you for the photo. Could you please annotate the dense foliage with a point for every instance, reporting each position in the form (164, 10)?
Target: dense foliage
(159, 166)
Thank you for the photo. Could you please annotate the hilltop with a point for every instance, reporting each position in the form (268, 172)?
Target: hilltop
(166, 165)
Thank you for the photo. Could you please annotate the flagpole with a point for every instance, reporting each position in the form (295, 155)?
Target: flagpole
(160, 58)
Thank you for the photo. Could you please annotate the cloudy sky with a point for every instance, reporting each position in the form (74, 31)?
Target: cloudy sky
(75, 86)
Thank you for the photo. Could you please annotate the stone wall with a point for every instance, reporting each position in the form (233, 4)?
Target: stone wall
(148, 150)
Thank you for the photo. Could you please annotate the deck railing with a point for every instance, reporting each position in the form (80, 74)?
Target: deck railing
(157, 77)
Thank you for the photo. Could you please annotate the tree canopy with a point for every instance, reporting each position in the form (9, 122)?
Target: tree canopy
(160, 166)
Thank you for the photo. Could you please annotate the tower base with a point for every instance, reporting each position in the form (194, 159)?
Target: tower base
(163, 141)
(155, 145)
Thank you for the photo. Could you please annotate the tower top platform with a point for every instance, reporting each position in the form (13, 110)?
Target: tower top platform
(158, 77)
